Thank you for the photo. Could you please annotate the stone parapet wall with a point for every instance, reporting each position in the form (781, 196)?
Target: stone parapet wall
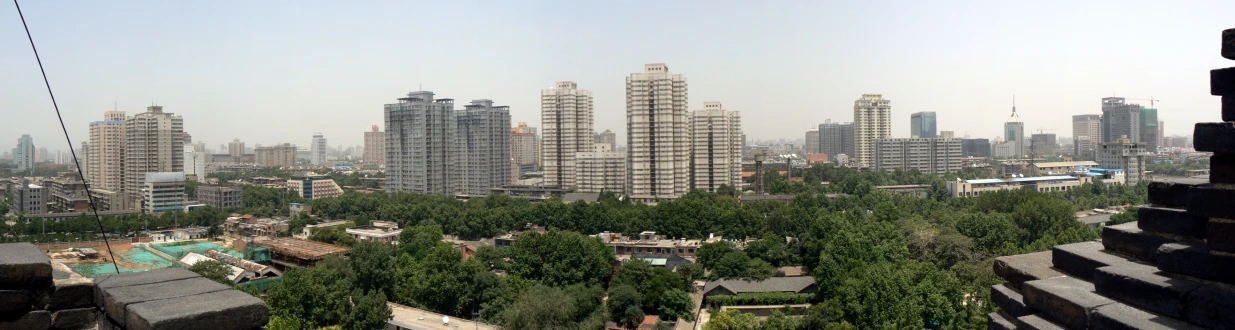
(37, 295)
(1172, 269)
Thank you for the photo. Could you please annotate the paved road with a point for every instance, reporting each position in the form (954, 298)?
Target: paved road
(697, 298)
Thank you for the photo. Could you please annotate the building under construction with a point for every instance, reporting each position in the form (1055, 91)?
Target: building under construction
(288, 252)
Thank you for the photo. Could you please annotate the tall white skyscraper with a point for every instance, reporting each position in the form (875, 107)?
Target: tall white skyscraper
(154, 142)
(717, 151)
(872, 120)
(657, 134)
(1014, 133)
(566, 118)
(317, 150)
(24, 154)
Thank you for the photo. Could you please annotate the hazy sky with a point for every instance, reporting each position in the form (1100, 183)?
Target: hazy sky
(277, 71)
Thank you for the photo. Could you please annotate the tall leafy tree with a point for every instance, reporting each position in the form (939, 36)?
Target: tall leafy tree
(625, 306)
(373, 264)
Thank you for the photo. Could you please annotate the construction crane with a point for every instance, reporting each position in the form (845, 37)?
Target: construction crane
(1151, 101)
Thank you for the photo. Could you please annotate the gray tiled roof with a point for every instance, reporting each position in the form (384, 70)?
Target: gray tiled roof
(774, 284)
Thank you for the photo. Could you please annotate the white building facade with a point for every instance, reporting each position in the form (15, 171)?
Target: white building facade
(163, 192)
(872, 120)
(566, 119)
(934, 156)
(717, 147)
(154, 142)
(658, 134)
(601, 169)
(317, 150)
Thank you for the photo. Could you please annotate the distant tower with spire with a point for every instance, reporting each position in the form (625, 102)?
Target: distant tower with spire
(1014, 131)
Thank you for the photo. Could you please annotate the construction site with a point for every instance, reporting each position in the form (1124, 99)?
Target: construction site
(257, 263)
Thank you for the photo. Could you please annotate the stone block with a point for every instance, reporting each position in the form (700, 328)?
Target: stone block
(1130, 240)
(1021, 268)
(1081, 259)
(1145, 287)
(1064, 299)
(1193, 259)
(72, 293)
(34, 320)
(1212, 307)
(1211, 202)
(23, 266)
(1173, 192)
(1122, 317)
(1222, 81)
(1228, 44)
(129, 279)
(1171, 221)
(1221, 235)
(1222, 164)
(74, 319)
(14, 302)
(1214, 137)
(229, 309)
(1009, 301)
(1037, 322)
(117, 299)
(996, 321)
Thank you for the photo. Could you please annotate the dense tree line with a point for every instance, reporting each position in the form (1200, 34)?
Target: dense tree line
(85, 227)
(1177, 168)
(880, 260)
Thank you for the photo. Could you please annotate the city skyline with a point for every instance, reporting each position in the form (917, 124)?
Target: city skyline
(963, 75)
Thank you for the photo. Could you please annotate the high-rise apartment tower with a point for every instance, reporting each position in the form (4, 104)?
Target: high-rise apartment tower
(657, 134)
(566, 118)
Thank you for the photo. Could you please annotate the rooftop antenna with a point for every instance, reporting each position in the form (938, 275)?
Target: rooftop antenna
(1014, 103)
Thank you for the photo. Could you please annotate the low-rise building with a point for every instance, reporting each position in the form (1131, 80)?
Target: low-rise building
(1060, 168)
(377, 231)
(532, 193)
(796, 284)
(163, 192)
(310, 229)
(288, 252)
(1126, 155)
(648, 244)
(970, 188)
(314, 186)
(295, 209)
(26, 197)
(915, 190)
(409, 318)
(107, 200)
(220, 197)
(933, 156)
(249, 225)
(66, 195)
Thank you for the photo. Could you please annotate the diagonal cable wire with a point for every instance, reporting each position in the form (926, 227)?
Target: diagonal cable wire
(85, 184)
